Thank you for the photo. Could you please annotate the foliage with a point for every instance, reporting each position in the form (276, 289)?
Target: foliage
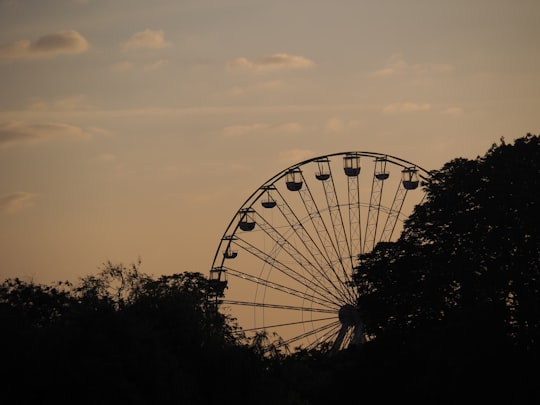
(470, 251)
(31, 305)
(119, 336)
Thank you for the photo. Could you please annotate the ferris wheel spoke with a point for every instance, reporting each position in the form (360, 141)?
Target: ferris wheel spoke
(302, 322)
(317, 275)
(314, 214)
(328, 328)
(284, 242)
(330, 333)
(379, 176)
(394, 213)
(311, 283)
(336, 216)
(280, 306)
(354, 216)
(297, 226)
(327, 272)
(325, 237)
(303, 337)
(319, 299)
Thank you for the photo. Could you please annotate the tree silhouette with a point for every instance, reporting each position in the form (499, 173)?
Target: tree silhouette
(473, 245)
(462, 284)
(120, 336)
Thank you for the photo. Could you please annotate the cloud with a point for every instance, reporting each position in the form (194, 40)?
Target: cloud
(65, 42)
(107, 157)
(233, 131)
(290, 128)
(266, 86)
(277, 61)
(397, 66)
(336, 125)
(126, 66)
(295, 155)
(153, 39)
(72, 103)
(455, 111)
(393, 68)
(406, 107)
(155, 65)
(16, 132)
(121, 67)
(16, 201)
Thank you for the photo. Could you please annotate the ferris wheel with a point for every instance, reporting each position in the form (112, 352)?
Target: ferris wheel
(284, 264)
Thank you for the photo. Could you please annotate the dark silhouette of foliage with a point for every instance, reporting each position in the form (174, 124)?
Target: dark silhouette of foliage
(120, 337)
(462, 284)
(473, 245)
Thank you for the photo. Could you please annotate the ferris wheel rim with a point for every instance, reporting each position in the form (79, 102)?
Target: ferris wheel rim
(393, 159)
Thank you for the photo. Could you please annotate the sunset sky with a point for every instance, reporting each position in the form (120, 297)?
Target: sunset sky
(135, 129)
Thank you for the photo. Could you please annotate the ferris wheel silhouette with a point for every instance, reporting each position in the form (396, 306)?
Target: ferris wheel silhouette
(284, 264)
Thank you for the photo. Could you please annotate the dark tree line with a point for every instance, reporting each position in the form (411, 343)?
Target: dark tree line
(120, 337)
(453, 309)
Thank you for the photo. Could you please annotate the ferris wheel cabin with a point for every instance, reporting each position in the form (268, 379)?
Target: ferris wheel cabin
(269, 201)
(351, 164)
(409, 177)
(247, 219)
(323, 173)
(380, 168)
(294, 179)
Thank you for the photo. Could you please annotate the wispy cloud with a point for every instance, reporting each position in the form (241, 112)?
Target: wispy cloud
(233, 131)
(266, 86)
(47, 46)
(16, 201)
(406, 107)
(455, 111)
(398, 66)
(121, 67)
(155, 65)
(295, 155)
(336, 125)
(107, 157)
(277, 61)
(18, 133)
(288, 128)
(72, 103)
(154, 39)
(126, 66)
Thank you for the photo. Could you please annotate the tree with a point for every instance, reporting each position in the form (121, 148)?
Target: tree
(470, 251)
(120, 336)
(454, 303)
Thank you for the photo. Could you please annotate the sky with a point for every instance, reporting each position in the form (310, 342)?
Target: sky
(134, 130)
